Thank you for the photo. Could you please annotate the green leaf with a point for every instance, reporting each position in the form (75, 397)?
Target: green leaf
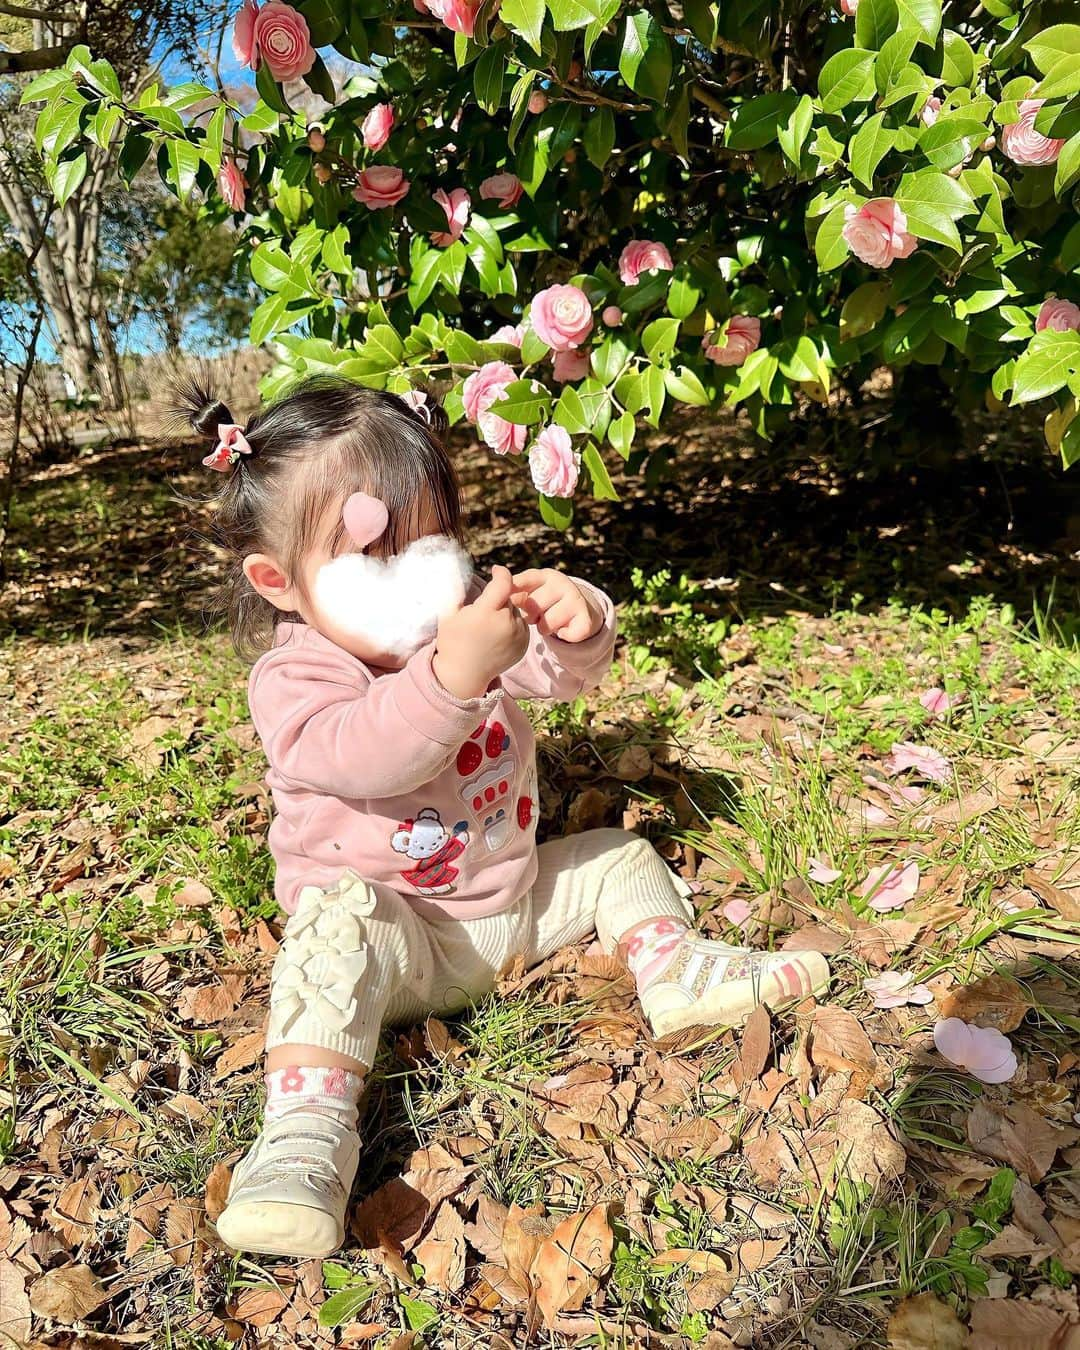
(845, 77)
(864, 309)
(1049, 362)
(868, 147)
(944, 142)
(932, 201)
(47, 85)
(523, 403)
(655, 393)
(424, 276)
(343, 1306)
(270, 90)
(1061, 80)
(215, 138)
(58, 124)
(66, 176)
(488, 76)
(684, 295)
(533, 348)
(893, 59)
(525, 17)
(567, 15)
(645, 58)
(659, 338)
(922, 17)
(271, 267)
(326, 20)
(875, 23)
(133, 155)
(603, 489)
(701, 17)
(684, 385)
(792, 135)
(182, 164)
(958, 62)
(1068, 165)
(596, 29)
(557, 512)
(267, 319)
(829, 246)
(599, 137)
(320, 81)
(756, 122)
(1051, 45)
(621, 432)
(418, 1315)
(262, 118)
(334, 251)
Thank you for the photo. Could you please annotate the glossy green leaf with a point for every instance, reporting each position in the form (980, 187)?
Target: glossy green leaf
(645, 57)
(846, 77)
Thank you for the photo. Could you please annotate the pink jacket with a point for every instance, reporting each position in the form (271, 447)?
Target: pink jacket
(389, 774)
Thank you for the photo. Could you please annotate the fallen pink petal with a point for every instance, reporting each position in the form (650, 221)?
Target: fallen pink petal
(937, 701)
(891, 885)
(821, 870)
(984, 1052)
(736, 912)
(895, 988)
(904, 795)
(922, 758)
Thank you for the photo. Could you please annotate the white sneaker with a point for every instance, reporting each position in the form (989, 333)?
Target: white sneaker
(289, 1194)
(708, 983)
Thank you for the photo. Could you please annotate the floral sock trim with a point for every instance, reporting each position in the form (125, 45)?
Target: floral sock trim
(303, 1089)
(650, 946)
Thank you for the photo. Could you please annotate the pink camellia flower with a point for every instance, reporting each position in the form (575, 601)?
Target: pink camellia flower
(985, 1052)
(741, 335)
(514, 333)
(484, 386)
(931, 109)
(1060, 316)
(381, 185)
(822, 871)
(568, 366)
(877, 232)
(936, 701)
(930, 763)
(504, 188)
(612, 316)
(643, 255)
(377, 125)
(737, 912)
(562, 317)
(276, 34)
(1023, 144)
(848, 7)
(894, 988)
(553, 463)
(458, 15)
(890, 886)
(231, 184)
(457, 207)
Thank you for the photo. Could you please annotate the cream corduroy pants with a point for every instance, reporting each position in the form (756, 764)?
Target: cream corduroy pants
(356, 956)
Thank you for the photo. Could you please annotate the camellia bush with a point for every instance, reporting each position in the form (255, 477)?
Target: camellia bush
(569, 216)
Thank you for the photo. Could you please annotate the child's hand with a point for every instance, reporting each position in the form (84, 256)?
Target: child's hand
(481, 640)
(558, 607)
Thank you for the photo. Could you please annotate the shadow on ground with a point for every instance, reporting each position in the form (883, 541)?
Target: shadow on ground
(99, 546)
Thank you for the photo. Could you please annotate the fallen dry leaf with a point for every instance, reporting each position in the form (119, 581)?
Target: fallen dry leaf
(755, 1047)
(758, 1253)
(67, 1294)
(1016, 1324)
(485, 1233)
(442, 1252)
(240, 1054)
(209, 1003)
(396, 1212)
(217, 1190)
(259, 1307)
(181, 1226)
(1065, 902)
(838, 1044)
(523, 1232)
(633, 764)
(588, 811)
(75, 1210)
(691, 1258)
(569, 1264)
(992, 1001)
(925, 1323)
(1018, 1136)
(14, 1304)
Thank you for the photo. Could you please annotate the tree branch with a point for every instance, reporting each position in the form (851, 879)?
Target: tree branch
(28, 12)
(45, 58)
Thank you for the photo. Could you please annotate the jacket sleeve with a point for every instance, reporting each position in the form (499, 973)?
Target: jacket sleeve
(326, 729)
(555, 669)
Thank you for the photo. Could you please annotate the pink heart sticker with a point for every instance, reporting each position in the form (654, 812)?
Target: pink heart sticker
(365, 518)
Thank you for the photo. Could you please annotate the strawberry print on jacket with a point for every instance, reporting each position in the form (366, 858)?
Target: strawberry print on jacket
(388, 774)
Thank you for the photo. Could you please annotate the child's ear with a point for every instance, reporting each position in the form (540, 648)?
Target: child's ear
(267, 578)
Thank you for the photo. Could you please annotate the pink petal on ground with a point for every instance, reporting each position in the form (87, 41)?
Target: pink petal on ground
(891, 885)
(983, 1051)
(823, 871)
(922, 758)
(876, 816)
(894, 988)
(937, 701)
(906, 795)
(834, 649)
(736, 912)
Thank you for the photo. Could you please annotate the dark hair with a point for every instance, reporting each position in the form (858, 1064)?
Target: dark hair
(324, 439)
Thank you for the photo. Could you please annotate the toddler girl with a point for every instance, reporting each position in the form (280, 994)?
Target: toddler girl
(403, 775)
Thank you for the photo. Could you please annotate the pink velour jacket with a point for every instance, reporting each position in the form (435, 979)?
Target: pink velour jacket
(387, 773)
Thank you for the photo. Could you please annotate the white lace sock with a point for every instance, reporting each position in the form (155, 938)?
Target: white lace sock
(300, 1089)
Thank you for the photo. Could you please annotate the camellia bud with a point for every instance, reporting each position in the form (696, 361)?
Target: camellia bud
(421, 124)
(316, 139)
(956, 171)
(570, 156)
(989, 143)
(537, 102)
(612, 316)
(574, 74)
(323, 173)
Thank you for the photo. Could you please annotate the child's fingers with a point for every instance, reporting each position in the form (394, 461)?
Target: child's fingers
(548, 594)
(560, 616)
(527, 607)
(498, 590)
(530, 578)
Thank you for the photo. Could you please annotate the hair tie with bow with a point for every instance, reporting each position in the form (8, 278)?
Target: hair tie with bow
(231, 444)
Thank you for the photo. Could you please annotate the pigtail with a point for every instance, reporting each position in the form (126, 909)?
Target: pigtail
(196, 406)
